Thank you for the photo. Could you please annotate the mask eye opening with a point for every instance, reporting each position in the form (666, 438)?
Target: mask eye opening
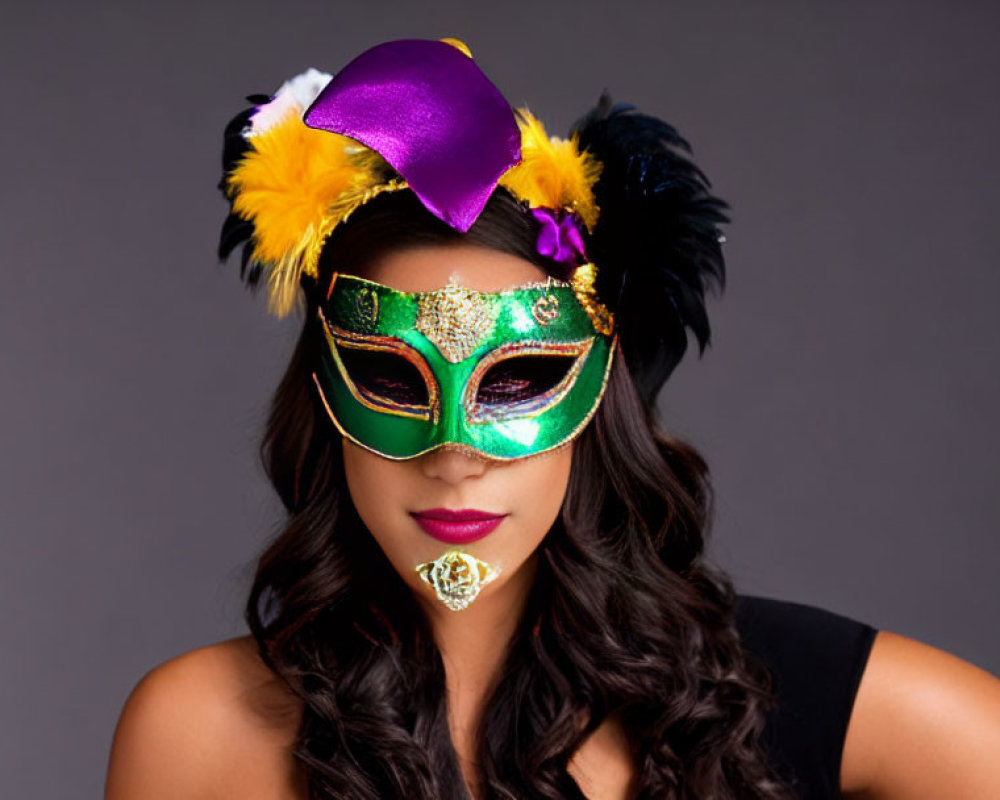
(480, 398)
(365, 363)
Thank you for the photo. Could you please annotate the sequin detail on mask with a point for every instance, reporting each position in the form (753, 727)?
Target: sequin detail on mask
(457, 577)
(366, 308)
(546, 309)
(456, 320)
(583, 286)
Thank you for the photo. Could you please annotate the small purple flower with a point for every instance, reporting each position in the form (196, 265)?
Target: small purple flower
(559, 239)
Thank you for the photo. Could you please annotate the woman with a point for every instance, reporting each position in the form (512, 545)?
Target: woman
(491, 581)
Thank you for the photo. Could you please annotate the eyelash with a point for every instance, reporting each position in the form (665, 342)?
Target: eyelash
(368, 363)
(385, 375)
(518, 379)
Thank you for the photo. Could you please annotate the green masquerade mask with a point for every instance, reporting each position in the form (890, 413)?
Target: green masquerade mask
(503, 375)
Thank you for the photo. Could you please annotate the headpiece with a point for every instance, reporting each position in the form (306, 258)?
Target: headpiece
(626, 215)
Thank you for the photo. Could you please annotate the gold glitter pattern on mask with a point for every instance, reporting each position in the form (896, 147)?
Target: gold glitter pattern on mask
(456, 320)
(457, 577)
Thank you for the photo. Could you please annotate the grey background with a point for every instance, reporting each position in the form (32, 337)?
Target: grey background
(846, 407)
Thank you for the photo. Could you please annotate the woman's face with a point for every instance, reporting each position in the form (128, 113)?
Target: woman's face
(399, 500)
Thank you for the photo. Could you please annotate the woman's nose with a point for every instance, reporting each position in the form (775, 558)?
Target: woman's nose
(452, 464)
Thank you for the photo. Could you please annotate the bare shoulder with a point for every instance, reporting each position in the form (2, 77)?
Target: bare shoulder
(925, 724)
(213, 722)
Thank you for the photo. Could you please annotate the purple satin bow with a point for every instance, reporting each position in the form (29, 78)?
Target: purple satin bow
(429, 111)
(559, 239)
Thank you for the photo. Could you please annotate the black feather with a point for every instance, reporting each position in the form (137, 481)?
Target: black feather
(657, 240)
(250, 270)
(237, 231)
(234, 146)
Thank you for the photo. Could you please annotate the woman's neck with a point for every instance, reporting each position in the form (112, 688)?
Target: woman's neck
(473, 644)
(474, 641)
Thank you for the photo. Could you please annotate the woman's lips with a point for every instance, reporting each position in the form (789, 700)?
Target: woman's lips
(457, 526)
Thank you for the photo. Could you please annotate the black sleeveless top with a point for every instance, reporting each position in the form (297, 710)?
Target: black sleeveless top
(816, 659)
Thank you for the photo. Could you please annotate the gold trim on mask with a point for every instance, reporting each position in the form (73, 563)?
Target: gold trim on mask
(479, 413)
(337, 337)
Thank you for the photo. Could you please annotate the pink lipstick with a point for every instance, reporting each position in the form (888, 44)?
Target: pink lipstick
(457, 526)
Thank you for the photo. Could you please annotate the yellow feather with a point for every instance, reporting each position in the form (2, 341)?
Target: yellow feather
(285, 185)
(553, 172)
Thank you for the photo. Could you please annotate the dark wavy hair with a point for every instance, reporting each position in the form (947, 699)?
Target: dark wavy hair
(624, 618)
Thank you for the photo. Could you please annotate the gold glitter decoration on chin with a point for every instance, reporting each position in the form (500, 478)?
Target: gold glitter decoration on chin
(457, 577)
(455, 319)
